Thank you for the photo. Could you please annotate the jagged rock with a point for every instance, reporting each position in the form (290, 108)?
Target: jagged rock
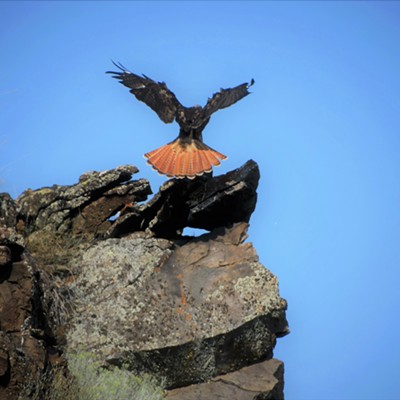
(8, 210)
(59, 221)
(11, 243)
(226, 199)
(189, 310)
(259, 381)
(186, 310)
(86, 208)
(24, 334)
(205, 203)
(64, 209)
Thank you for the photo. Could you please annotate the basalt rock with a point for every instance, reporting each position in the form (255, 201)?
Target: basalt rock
(58, 222)
(261, 381)
(201, 313)
(84, 207)
(26, 340)
(8, 210)
(205, 203)
(9, 237)
(186, 310)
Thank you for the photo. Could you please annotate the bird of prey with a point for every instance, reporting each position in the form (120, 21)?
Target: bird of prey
(187, 156)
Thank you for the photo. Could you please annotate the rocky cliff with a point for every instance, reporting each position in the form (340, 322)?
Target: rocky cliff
(94, 267)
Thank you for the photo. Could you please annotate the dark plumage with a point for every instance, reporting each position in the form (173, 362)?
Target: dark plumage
(187, 156)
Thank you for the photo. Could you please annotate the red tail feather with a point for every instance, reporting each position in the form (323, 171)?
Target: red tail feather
(182, 160)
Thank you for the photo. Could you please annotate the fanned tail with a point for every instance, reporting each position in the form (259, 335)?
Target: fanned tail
(184, 160)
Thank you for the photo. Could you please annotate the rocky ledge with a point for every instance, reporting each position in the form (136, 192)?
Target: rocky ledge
(97, 269)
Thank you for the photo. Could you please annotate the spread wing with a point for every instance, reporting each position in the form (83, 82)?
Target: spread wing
(226, 97)
(155, 94)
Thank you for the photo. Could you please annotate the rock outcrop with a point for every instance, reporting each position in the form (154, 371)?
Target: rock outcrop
(202, 203)
(108, 273)
(185, 311)
(26, 339)
(82, 208)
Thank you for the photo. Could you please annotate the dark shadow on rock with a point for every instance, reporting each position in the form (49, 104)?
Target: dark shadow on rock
(205, 203)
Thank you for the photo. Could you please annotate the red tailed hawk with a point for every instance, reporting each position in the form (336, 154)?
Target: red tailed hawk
(187, 156)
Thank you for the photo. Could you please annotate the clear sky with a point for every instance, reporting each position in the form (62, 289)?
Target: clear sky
(322, 123)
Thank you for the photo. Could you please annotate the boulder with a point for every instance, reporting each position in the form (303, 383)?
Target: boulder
(185, 310)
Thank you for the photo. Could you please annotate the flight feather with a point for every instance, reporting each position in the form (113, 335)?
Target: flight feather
(154, 94)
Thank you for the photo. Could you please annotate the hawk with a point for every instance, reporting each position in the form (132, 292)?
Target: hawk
(187, 156)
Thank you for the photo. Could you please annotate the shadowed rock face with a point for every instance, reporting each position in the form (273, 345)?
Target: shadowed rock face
(189, 310)
(205, 203)
(257, 382)
(26, 340)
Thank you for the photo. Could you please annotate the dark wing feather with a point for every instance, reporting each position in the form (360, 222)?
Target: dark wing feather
(155, 94)
(226, 97)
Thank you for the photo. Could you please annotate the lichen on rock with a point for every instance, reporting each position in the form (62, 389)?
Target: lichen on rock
(209, 297)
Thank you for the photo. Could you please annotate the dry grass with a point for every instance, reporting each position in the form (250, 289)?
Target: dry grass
(87, 380)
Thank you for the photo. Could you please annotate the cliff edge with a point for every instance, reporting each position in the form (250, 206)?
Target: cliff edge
(95, 267)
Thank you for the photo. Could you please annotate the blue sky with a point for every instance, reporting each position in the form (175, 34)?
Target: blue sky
(322, 123)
